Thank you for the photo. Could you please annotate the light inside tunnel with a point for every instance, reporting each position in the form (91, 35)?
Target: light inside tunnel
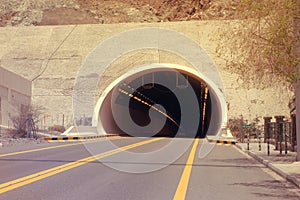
(147, 102)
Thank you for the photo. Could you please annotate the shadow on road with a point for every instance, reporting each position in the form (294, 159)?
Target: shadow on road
(271, 185)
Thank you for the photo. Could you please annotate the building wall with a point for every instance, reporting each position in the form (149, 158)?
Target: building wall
(15, 91)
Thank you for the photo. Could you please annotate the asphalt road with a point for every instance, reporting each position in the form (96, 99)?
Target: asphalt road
(136, 168)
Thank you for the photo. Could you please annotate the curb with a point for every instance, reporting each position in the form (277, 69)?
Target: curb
(271, 166)
(77, 138)
(229, 142)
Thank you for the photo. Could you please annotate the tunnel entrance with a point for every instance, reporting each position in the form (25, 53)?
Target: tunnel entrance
(149, 102)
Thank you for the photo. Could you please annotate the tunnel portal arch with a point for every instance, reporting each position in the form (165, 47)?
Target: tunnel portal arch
(216, 119)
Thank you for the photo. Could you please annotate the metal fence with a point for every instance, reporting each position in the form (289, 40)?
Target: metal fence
(281, 133)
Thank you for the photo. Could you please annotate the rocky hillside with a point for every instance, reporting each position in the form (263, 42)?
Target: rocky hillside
(58, 12)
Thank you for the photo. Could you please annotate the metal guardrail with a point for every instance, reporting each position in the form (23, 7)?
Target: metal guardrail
(77, 138)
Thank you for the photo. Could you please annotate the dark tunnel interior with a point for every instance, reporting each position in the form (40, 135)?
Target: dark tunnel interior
(143, 92)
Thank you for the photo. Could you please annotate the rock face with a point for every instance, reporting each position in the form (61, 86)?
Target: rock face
(51, 57)
(62, 12)
(28, 12)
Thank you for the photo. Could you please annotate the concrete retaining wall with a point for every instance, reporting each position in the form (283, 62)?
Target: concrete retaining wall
(52, 56)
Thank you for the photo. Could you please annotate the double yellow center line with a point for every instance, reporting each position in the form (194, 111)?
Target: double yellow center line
(181, 188)
(5, 187)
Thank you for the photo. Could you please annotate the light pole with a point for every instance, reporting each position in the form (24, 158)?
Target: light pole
(298, 116)
(297, 89)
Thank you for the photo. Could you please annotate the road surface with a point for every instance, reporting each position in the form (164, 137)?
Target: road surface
(69, 171)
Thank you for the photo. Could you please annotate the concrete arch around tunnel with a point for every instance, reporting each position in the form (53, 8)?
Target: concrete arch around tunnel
(215, 112)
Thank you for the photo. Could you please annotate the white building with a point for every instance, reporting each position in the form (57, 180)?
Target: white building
(15, 95)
